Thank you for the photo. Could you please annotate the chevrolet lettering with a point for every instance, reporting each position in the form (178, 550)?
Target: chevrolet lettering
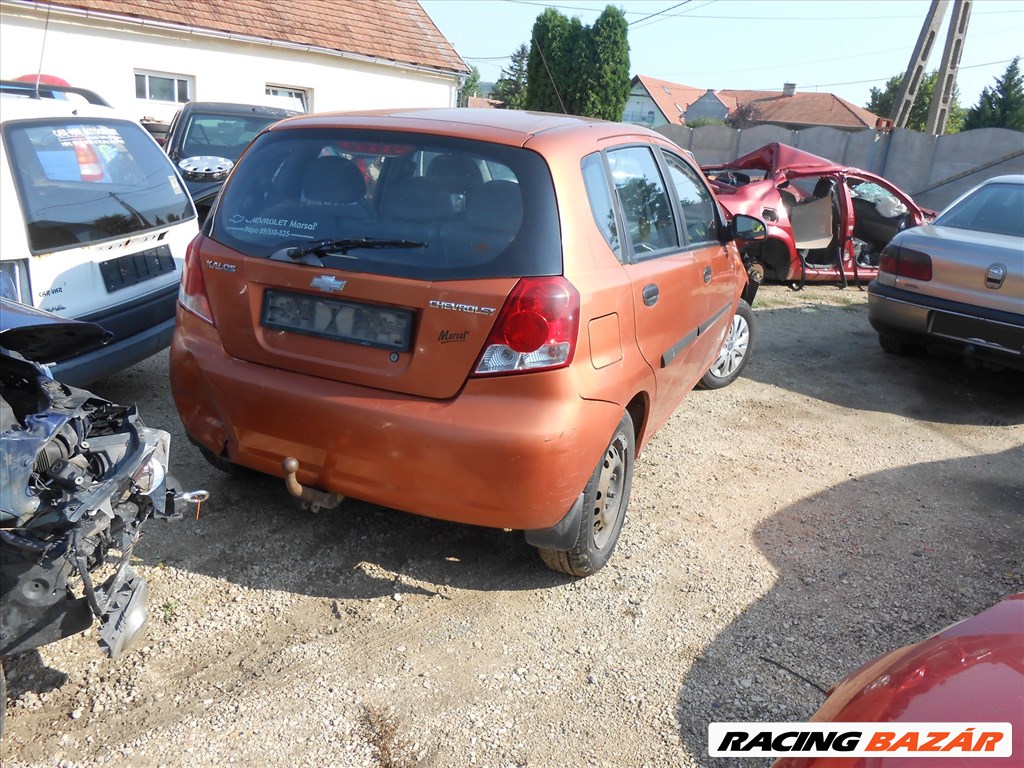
(471, 308)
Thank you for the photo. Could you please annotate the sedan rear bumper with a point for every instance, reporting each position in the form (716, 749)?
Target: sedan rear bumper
(985, 334)
(498, 455)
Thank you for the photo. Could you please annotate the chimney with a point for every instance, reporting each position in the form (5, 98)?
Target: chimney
(788, 89)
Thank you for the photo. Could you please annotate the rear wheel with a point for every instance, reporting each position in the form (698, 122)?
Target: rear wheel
(735, 352)
(896, 347)
(604, 508)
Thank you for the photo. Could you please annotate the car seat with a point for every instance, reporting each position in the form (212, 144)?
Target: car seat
(494, 215)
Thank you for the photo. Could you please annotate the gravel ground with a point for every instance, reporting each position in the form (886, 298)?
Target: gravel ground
(834, 503)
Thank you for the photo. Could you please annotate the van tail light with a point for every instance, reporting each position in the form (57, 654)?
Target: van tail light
(906, 262)
(89, 166)
(536, 329)
(192, 291)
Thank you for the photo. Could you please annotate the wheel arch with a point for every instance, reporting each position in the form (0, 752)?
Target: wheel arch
(639, 409)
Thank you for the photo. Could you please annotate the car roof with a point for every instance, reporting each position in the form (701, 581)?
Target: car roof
(501, 125)
(1011, 178)
(17, 107)
(232, 108)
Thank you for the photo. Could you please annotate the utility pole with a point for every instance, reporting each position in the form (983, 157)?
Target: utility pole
(938, 112)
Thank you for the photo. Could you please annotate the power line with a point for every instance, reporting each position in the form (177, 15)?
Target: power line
(659, 13)
(873, 80)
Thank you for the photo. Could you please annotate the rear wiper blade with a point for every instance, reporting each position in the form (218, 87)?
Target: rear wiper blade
(342, 246)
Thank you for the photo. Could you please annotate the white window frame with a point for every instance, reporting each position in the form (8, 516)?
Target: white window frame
(179, 98)
(302, 96)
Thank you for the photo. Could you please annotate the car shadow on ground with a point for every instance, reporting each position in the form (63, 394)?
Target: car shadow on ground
(253, 533)
(880, 581)
(932, 387)
(358, 551)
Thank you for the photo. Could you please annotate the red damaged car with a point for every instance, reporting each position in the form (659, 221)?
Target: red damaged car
(826, 222)
(969, 673)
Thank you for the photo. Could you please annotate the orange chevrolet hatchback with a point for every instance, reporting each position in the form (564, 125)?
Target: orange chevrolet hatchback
(474, 315)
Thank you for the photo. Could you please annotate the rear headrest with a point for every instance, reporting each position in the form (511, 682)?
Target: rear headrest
(333, 181)
(496, 204)
(417, 199)
(455, 167)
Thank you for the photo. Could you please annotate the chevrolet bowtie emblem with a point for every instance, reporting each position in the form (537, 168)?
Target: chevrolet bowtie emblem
(328, 284)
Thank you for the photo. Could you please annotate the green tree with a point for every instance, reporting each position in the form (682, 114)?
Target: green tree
(470, 88)
(577, 69)
(543, 73)
(1002, 106)
(611, 74)
(882, 100)
(510, 89)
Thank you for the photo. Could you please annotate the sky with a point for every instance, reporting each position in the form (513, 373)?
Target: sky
(844, 47)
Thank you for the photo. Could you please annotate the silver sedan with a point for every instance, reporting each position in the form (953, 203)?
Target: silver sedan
(958, 283)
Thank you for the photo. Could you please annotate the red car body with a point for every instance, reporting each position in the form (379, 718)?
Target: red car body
(972, 672)
(826, 222)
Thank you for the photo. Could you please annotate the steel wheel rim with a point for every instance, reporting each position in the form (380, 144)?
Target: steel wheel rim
(610, 485)
(734, 349)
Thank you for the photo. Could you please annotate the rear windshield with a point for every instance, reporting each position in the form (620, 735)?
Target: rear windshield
(222, 135)
(451, 209)
(994, 208)
(91, 180)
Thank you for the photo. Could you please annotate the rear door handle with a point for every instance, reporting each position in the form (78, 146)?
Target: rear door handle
(707, 274)
(650, 295)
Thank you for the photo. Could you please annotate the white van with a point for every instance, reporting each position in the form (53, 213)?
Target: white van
(94, 223)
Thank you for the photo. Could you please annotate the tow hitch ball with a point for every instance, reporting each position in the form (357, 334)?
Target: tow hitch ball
(310, 497)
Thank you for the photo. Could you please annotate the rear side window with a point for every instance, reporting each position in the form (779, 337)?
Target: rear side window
(650, 224)
(596, 182)
(88, 181)
(420, 206)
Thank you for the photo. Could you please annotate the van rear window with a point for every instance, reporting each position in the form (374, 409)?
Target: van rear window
(91, 180)
(428, 207)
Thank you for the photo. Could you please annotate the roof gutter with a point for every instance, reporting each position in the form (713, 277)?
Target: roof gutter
(86, 13)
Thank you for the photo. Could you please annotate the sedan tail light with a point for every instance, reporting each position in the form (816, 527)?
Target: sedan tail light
(536, 329)
(192, 291)
(906, 262)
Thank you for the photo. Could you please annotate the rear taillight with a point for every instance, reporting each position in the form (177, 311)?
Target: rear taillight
(536, 329)
(192, 291)
(89, 166)
(906, 262)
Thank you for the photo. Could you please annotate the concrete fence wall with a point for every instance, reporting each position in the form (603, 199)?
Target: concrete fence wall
(934, 170)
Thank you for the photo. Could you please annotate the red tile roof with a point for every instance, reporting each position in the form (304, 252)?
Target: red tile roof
(799, 109)
(667, 95)
(393, 30)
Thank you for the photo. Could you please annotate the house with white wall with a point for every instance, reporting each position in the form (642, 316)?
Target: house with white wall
(656, 103)
(147, 57)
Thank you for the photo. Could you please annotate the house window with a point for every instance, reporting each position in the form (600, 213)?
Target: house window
(162, 87)
(289, 98)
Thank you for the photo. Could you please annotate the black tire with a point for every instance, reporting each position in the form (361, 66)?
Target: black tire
(735, 352)
(605, 499)
(3, 698)
(896, 347)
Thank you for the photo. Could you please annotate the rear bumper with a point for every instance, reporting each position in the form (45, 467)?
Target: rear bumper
(507, 452)
(984, 334)
(115, 356)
